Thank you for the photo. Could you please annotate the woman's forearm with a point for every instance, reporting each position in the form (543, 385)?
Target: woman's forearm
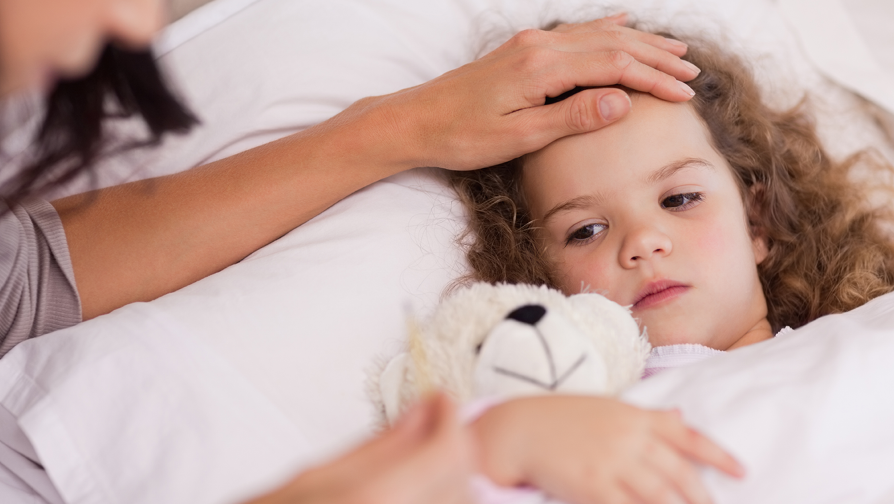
(138, 241)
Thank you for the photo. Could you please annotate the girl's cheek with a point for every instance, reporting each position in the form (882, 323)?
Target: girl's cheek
(714, 239)
(591, 273)
(710, 242)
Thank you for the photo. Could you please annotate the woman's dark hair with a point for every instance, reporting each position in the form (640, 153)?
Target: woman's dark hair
(71, 139)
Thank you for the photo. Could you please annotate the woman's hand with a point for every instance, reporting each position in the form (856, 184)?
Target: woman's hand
(425, 459)
(492, 110)
(589, 450)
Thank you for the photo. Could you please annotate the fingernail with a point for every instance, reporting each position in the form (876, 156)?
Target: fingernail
(686, 89)
(613, 106)
(692, 67)
(675, 42)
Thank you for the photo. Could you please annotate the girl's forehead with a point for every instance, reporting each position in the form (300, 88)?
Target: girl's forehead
(625, 155)
(653, 130)
(654, 134)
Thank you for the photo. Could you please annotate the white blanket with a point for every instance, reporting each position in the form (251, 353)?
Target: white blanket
(808, 413)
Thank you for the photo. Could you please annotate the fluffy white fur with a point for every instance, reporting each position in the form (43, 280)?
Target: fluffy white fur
(453, 350)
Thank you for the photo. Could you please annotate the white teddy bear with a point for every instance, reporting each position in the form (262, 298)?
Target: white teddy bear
(500, 341)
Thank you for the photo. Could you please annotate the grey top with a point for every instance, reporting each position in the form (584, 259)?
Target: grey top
(37, 285)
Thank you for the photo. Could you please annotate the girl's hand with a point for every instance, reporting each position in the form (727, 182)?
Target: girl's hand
(492, 110)
(589, 450)
(425, 459)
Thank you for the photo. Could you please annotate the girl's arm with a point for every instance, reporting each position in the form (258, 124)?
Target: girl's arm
(589, 450)
(138, 241)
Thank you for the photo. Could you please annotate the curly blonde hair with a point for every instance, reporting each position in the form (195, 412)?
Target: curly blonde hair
(828, 252)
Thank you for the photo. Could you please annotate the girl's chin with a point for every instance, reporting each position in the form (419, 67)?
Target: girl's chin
(671, 333)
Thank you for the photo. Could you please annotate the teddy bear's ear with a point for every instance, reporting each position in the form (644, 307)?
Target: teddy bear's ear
(390, 382)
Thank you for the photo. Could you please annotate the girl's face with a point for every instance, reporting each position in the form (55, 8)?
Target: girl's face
(647, 213)
(43, 39)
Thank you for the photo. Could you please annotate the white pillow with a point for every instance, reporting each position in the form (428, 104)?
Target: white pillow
(278, 343)
(859, 66)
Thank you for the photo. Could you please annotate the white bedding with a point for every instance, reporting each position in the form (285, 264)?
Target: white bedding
(217, 391)
(808, 413)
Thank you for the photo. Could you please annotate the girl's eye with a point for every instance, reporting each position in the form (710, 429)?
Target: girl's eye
(682, 201)
(585, 234)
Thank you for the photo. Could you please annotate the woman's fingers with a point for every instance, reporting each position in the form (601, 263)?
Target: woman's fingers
(435, 469)
(697, 447)
(652, 50)
(617, 23)
(406, 435)
(643, 52)
(424, 458)
(649, 54)
(602, 37)
(611, 68)
(584, 43)
(619, 19)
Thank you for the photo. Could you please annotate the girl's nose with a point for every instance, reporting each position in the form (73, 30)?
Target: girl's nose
(643, 244)
(134, 22)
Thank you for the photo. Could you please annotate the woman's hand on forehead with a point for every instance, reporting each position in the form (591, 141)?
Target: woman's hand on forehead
(494, 109)
(657, 66)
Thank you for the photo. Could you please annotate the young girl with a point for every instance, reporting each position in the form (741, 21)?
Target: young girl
(719, 222)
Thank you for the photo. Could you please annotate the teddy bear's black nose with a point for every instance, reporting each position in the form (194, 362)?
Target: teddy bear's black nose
(528, 314)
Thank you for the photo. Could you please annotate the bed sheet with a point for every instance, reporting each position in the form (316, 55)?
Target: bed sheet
(267, 358)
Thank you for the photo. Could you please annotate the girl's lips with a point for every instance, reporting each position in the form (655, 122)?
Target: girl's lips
(657, 293)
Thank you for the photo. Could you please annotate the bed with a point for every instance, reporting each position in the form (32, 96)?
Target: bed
(218, 391)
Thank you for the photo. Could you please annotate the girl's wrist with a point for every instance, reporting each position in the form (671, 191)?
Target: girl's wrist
(503, 437)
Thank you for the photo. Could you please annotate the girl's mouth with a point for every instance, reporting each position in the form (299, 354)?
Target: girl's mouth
(658, 293)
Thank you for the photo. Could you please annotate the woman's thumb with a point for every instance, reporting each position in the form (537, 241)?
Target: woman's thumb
(588, 110)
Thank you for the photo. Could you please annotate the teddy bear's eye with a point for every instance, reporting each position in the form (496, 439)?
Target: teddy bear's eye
(478, 348)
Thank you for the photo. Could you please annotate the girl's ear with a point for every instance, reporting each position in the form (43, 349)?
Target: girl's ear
(758, 234)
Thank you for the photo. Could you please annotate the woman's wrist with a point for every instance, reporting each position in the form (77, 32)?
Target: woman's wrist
(378, 134)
